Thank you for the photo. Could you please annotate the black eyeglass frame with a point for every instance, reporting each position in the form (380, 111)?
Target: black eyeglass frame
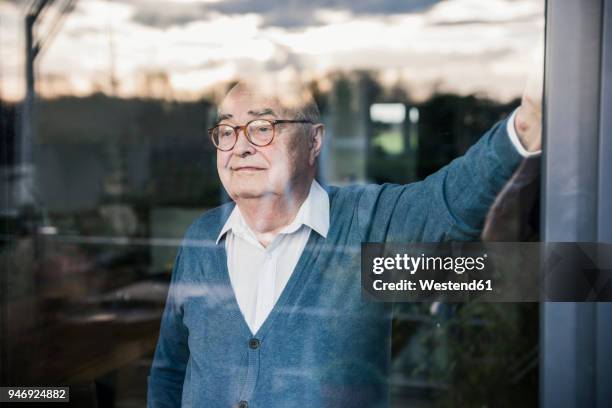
(246, 132)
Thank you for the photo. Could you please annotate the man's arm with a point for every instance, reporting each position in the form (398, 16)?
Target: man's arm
(524, 129)
(463, 191)
(165, 381)
(450, 204)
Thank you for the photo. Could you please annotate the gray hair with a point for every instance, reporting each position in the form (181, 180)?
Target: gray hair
(295, 98)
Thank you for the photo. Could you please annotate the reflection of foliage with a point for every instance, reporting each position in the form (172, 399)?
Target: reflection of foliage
(419, 348)
(390, 141)
(468, 355)
(485, 343)
(450, 124)
(185, 182)
(386, 168)
(158, 152)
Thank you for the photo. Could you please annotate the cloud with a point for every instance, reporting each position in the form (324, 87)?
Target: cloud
(297, 14)
(291, 14)
(468, 22)
(15, 2)
(470, 44)
(162, 14)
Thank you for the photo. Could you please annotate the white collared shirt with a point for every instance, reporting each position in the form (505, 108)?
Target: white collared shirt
(259, 274)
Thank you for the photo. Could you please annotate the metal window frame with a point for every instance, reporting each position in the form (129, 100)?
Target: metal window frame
(575, 338)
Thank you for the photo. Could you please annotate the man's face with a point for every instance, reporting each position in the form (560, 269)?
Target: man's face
(249, 171)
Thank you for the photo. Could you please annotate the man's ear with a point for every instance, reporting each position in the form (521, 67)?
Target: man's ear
(316, 135)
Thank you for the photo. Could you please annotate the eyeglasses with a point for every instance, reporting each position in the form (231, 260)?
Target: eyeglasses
(259, 132)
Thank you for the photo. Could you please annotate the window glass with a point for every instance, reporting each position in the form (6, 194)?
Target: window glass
(106, 160)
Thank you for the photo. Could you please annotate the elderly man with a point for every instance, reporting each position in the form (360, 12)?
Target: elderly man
(265, 307)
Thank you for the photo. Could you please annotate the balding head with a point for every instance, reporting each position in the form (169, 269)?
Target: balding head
(296, 100)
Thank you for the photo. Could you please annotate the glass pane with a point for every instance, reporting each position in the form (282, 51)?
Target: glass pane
(106, 161)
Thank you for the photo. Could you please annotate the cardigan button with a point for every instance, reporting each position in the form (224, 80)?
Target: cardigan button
(254, 343)
(243, 404)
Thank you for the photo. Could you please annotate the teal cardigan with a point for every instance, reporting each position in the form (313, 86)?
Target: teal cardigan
(322, 345)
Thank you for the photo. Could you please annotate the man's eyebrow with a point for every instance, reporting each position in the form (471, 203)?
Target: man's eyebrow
(223, 116)
(263, 112)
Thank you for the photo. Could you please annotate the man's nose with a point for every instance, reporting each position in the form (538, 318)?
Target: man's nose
(243, 146)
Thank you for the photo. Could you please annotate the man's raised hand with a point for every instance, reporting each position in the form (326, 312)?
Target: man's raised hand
(528, 118)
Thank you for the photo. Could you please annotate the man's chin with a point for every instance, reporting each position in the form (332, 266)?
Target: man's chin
(247, 192)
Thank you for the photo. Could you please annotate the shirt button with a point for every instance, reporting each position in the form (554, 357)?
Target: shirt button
(254, 344)
(243, 404)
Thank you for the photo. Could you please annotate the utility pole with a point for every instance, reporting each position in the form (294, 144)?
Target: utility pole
(24, 193)
(24, 168)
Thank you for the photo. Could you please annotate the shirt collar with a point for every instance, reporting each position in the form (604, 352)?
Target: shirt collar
(314, 213)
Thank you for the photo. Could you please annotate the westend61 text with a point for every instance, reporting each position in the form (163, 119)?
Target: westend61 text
(429, 284)
(412, 264)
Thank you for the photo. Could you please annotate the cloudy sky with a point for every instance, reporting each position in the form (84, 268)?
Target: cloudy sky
(183, 48)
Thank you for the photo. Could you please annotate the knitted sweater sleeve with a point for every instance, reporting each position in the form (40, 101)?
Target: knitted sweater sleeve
(450, 204)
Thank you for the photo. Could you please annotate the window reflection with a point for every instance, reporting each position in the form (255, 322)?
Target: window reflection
(121, 165)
